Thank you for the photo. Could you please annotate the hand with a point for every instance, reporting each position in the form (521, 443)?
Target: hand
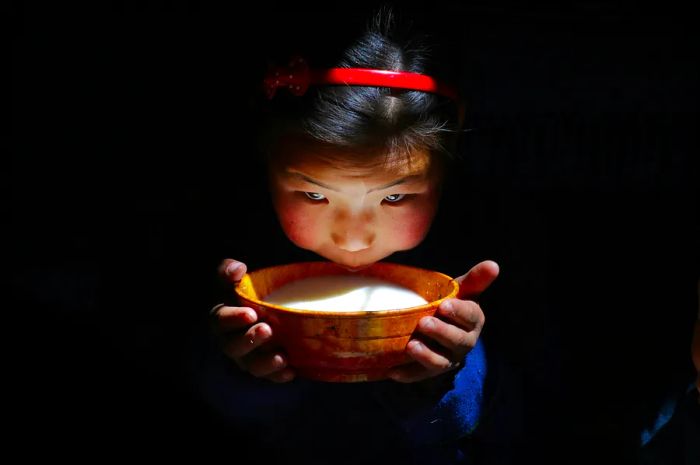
(242, 338)
(452, 332)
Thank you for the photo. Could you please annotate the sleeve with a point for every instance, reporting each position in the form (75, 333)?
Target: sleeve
(440, 410)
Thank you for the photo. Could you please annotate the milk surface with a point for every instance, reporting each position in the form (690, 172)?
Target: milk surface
(344, 293)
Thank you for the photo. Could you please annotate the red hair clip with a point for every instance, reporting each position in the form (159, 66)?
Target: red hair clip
(297, 77)
(294, 77)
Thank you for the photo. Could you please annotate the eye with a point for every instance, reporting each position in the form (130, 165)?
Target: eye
(393, 198)
(315, 196)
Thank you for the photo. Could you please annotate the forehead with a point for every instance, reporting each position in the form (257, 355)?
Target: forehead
(314, 157)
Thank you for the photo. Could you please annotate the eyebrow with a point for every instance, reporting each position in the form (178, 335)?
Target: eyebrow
(304, 177)
(397, 182)
(403, 180)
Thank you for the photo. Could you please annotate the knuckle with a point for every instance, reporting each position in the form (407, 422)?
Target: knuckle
(451, 308)
(461, 341)
(479, 314)
(472, 315)
(466, 342)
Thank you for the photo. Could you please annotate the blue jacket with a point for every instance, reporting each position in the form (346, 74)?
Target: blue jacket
(319, 422)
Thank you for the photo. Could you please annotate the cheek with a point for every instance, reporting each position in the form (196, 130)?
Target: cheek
(298, 223)
(415, 227)
(409, 228)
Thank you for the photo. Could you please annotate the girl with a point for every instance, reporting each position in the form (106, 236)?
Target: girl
(357, 149)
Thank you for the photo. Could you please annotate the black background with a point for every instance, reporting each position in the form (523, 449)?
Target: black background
(131, 154)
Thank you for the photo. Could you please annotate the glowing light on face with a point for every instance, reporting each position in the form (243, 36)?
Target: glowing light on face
(353, 210)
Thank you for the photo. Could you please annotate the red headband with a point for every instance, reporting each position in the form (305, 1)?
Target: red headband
(297, 77)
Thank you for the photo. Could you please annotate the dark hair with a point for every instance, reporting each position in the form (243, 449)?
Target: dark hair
(365, 119)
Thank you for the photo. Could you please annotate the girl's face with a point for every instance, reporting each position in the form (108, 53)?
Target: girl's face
(353, 213)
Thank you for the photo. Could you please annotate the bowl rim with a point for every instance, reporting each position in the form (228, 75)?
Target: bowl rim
(356, 313)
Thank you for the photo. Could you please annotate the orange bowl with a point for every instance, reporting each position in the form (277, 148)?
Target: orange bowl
(343, 346)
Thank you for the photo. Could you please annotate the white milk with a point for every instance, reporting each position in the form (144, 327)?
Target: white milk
(344, 293)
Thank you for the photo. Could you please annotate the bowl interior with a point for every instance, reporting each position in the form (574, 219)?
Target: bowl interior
(431, 285)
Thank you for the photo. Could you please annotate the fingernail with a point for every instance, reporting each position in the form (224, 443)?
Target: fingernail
(263, 332)
(250, 317)
(447, 306)
(232, 267)
(279, 361)
(415, 346)
(260, 333)
(427, 323)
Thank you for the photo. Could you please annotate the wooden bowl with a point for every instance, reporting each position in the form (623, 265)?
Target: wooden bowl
(343, 346)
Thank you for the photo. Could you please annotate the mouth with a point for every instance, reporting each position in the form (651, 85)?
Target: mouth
(354, 269)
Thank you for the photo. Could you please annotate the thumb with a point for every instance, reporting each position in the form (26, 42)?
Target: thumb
(232, 270)
(477, 280)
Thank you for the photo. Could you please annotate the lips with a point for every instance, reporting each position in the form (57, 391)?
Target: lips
(356, 268)
(352, 261)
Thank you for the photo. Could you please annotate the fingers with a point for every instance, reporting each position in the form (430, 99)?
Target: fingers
(458, 333)
(271, 366)
(241, 344)
(232, 270)
(465, 314)
(246, 349)
(227, 319)
(261, 364)
(427, 356)
(243, 337)
(478, 279)
(456, 341)
(455, 329)
(428, 363)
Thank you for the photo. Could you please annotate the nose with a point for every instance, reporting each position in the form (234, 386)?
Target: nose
(353, 243)
(353, 232)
